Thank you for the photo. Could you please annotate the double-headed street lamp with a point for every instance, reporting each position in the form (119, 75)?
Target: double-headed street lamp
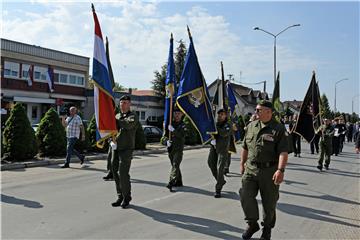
(344, 79)
(275, 35)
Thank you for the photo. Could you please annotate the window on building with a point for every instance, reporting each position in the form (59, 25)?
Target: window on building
(34, 111)
(63, 78)
(72, 79)
(56, 77)
(80, 80)
(25, 71)
(37, 75)
(11, 69)
(43, 76)
(40, 73)
(142, 116)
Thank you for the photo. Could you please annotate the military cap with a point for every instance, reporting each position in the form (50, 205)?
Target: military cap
(125, 97)
(265, 103)
(221, 110)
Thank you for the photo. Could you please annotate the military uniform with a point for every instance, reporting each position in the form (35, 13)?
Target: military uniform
(327, 133)
(127, 124)
(109, 176)
(175, 152)
(264, 143)
(218, 155)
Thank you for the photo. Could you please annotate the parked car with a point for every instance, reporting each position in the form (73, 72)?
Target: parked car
(152, 134)
(35, 126)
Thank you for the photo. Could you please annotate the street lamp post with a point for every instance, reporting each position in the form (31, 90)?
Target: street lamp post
(275, 36)
(352, 103)
(344, 79)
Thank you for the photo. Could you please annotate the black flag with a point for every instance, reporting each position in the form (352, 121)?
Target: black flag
(309, 119)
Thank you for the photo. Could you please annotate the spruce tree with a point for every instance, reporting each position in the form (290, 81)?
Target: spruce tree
(192, 136)
(325, 108)
(19, 142)
(51, 135)
(91, 129)
(158, 83)
(179, 60)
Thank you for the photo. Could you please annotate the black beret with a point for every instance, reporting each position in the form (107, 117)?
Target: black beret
(265, 103)
(125, 97)
(221, 110)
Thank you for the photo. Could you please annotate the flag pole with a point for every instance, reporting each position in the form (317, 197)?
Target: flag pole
(171, 100)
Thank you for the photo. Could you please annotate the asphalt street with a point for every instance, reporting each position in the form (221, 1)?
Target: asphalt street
(54, 203)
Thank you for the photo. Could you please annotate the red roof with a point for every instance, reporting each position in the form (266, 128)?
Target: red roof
(143, 92)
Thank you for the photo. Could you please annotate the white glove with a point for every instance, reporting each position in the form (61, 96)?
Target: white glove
(113, 145)
(168, 143)
(171, 128)
(213, 142)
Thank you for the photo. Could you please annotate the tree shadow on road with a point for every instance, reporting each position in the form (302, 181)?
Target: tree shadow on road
(19, 201)
(313, 213)
(323, 197)
(204, 226)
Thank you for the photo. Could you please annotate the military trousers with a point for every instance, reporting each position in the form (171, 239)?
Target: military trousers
(228, 162)
(252, 183)
(325, 151)
(175, 157)
(121, 162)
(216, 163)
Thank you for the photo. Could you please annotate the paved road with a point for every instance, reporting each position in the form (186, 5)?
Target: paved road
(53, 203)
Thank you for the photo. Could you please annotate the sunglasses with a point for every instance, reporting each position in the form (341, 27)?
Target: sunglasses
(258, 110)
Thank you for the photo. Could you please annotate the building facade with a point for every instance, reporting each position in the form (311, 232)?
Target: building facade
(20, 61)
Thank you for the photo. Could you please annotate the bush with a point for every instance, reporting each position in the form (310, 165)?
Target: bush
(192, 136)
(51, 135)
(19, 142)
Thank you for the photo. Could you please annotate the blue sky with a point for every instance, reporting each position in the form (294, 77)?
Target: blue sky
(327, 40)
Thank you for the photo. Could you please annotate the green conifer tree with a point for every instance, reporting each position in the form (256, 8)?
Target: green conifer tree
(51, 135)
(19, 142)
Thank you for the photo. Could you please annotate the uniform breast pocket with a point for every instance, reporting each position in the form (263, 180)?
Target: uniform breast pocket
(249, 139)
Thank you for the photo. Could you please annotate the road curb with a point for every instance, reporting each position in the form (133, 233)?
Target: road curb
(100, 156)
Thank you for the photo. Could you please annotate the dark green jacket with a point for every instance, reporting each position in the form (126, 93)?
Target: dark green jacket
(177, 137)
(327, 133)
(265, 142)
(223, 137)
(127, 124)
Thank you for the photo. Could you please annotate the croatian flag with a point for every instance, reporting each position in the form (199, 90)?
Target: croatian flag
(50, 78)
(103, 94)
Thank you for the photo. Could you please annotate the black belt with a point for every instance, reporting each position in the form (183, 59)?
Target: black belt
(264, 164)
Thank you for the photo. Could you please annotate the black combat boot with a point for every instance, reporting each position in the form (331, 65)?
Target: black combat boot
(118, 201)
(217, 194)
(319, 167)
(326, 167)
(126, 202)
(66, 165)
(250, 230)
(266, 234)
(108, 177)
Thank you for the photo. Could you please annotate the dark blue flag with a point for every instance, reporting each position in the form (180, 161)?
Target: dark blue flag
(169, 87)
(193, 96)
(233, 105)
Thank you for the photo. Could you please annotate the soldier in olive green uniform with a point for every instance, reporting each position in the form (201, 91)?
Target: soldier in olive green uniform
(175, 147)
(219, 151)
(263, 160)
(127, 123)
(326, 132)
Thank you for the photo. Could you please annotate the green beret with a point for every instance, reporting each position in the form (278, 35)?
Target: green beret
(265, 103)
(125, 97)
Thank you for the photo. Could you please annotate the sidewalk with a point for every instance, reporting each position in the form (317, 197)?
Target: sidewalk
(151, 148)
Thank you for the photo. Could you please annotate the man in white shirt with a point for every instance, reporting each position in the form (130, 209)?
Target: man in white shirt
(74, 127)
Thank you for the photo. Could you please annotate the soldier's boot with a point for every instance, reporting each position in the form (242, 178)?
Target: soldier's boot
(226, 171)
(66, 165)
(126, 202)
(326, 166)
(266, 234)
(217, 194)
(108, 177)
(319, 167)
(118, 202)
(178, 184)
(170, 186)
(250, 230)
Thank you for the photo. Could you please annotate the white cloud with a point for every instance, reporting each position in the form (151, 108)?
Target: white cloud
(139, 38)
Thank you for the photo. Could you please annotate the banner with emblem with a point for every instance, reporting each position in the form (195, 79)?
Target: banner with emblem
(103, 94)
(193, 96)
(169, 86)
(309, 119)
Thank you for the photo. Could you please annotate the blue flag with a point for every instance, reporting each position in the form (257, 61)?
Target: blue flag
(193, 96)
(232, 106)
(169, 86)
